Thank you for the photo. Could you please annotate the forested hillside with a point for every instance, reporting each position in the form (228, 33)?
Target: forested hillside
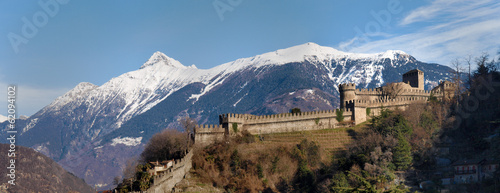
(35, 172)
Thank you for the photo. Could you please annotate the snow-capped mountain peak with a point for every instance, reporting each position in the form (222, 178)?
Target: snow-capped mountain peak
(394, 54)
(159, 57)
(130, 108)
(77, 92)
(312, 51)
(298, 53)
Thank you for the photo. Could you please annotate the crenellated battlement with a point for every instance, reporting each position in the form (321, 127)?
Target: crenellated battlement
(207, 134)
(401, 101)
(246, 118)
(258, 124)
(379, 91)
(209, 128)
(412, 86)
(353, 102)
(347, 86)
(174, 174)
(368, 91)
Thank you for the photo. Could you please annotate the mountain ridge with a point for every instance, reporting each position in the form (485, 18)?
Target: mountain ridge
(138, 103)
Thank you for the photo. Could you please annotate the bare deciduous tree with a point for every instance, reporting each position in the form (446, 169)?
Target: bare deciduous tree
(117, 180)
(168, 144)
(188, 124)
(457, 78)
(129, 171)
(392, 90)
(468, 60)
(379, 161)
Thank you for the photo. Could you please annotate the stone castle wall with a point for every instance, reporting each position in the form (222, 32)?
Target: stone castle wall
(348, 92)
(166, 182)
(415, 78)
(231, 123)
(286, 122)
(353, 101)
(206, 134)
(360, 106)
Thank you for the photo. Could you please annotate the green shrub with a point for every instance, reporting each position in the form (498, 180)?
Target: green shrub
(339, 180)
(368, 111)
(246, 137)
(260, 171)
(235, 127)
(274, 164)
(340, 115)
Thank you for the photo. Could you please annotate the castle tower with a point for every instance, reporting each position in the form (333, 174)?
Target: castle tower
(347, 93)
(415, 78)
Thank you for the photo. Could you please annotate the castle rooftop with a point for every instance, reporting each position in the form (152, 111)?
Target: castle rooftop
(413, 71)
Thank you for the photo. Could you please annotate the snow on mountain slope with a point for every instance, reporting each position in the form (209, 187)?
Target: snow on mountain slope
(128, 141)
(367, 70)
(79, 91)
(82, 118)
(161, 57)
(309, 51)
(3, 118)
(108, 106)
(135, 92)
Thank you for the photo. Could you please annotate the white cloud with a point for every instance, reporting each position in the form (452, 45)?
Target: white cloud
(440, 9)
(447, 30)
(29, 99)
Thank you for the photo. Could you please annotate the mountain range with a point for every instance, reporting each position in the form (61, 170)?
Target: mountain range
(93, 130)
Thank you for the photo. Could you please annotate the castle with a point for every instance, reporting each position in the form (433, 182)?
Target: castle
(356, 105)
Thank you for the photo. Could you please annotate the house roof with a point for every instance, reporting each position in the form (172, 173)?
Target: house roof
(414, 70)
(468, 162)
(156, 163)
(490, 161)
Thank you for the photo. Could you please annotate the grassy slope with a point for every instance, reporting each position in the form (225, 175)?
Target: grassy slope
(330, 141)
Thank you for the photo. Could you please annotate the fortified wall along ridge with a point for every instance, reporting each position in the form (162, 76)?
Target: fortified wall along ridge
(356, 105)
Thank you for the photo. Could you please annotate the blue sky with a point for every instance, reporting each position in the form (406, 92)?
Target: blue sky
(94, 41)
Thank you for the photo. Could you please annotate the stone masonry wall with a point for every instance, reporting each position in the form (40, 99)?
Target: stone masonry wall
(207, 134)
(165, 183)
(376, 106)
(280, 123)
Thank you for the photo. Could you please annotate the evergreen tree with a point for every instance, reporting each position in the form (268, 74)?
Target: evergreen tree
(401, 154)
(340, 115)
(295, 111)
(339, 181)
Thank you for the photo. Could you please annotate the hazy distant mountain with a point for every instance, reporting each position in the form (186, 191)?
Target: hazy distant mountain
(104, 125)
(35, 172)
